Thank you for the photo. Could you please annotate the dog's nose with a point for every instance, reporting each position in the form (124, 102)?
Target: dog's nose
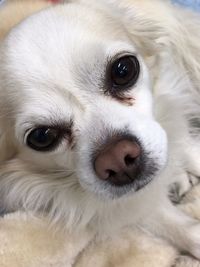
(119, 164)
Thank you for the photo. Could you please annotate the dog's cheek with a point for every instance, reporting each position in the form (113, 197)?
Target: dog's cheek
(10, 173)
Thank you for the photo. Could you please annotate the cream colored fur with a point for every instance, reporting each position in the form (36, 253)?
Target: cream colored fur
(29, 241)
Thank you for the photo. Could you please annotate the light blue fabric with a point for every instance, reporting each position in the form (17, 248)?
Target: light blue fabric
(194, 4)
(1, 1)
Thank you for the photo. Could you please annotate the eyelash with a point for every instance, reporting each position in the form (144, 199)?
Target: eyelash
(108, 89)
(35, 137)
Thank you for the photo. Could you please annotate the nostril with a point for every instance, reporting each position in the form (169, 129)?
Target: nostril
(118, 163)
(129, 160)
(110, 173)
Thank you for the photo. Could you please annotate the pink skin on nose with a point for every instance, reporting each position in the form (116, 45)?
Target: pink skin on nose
(117, 159)
(54, 1)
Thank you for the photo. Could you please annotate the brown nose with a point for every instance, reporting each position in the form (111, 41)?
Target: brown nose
(119, 163)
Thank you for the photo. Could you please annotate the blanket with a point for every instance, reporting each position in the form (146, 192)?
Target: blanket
(30, 241)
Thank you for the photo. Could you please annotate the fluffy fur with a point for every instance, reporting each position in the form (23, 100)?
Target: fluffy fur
(51, 70)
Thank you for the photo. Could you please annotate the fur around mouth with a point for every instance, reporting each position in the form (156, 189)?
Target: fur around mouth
(146, 176)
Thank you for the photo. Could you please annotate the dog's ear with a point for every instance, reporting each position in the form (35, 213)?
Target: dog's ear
(142, 21)
(7, 149)
(159, 25)
(139, 18)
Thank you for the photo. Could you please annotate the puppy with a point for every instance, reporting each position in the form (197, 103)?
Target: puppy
(99, 107)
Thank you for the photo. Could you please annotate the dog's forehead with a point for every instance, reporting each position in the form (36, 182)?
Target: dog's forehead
(64, 33)
(51, 45)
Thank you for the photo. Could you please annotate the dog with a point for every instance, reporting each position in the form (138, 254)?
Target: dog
(99, 116)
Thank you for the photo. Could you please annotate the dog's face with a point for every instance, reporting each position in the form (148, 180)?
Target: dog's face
(78, 106)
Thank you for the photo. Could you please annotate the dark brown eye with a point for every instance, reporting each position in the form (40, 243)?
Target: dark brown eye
(124, 72)
(43, 138)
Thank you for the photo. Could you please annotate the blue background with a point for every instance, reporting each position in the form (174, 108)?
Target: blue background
(194, 4)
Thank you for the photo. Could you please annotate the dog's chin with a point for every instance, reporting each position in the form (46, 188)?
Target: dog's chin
(114, 192)
(104, 189)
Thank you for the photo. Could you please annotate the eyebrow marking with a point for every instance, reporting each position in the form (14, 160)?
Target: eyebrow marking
(65, 129)
(126, 100)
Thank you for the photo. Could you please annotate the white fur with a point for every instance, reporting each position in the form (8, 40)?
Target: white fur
(51, 69)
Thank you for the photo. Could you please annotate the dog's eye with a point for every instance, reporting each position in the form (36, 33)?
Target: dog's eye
(43, 138)
(124, 72)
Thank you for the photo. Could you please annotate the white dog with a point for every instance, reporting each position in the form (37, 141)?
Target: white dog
(99, 104)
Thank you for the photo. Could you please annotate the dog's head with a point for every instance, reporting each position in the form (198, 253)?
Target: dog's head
(76, 109)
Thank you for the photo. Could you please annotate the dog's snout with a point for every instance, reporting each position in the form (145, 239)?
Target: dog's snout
(119, 162)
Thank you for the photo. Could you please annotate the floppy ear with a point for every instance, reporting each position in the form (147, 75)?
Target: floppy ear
(159, 25)
(141, 19)
(7, 149)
